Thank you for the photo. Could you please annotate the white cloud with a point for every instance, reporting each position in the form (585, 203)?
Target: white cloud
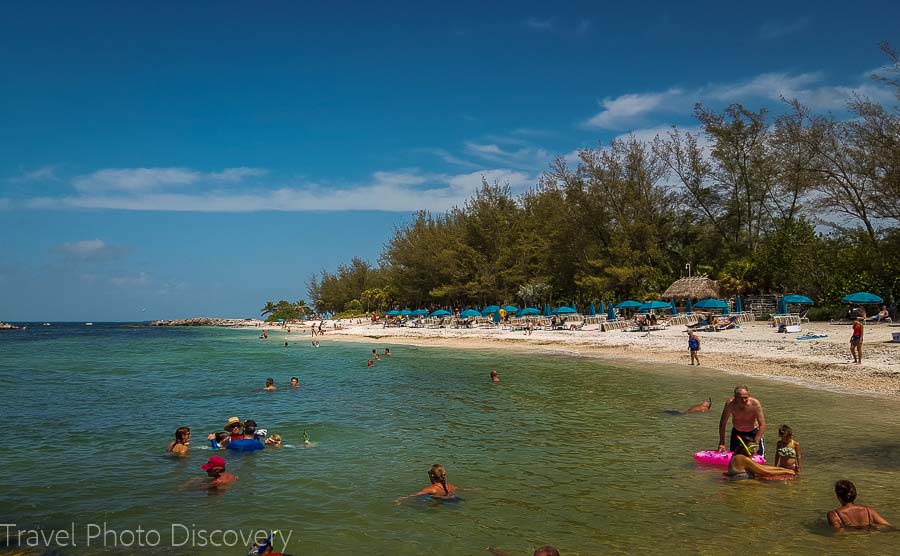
(526, 157)
(90, 249)
(539, 24)
(639, 109)
(84, 248)
(405, 191)
(237, 174)
(625, 109)
(139, 280)
(150, 179)
(44, 173)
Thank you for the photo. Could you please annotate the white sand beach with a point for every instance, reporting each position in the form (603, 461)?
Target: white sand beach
(754, 349)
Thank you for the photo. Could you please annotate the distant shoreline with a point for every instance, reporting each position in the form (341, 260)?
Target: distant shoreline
(755, 349)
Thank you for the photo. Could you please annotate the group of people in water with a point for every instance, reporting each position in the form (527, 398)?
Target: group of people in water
(746, 440)
(237, 435)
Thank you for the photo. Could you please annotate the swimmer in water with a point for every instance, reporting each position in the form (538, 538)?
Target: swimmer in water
(741, 466)
(306, 441)
(219, 440)
(179, 447)
(274, 440)
(702, 407)
(542, 551)
(215, 470)
(387, 352)
(494, 377)
(270, 385)
(370, 363)
(439, 487)
(295, 382)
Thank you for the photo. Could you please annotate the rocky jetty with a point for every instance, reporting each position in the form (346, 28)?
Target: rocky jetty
(204, 321)
(4, 326)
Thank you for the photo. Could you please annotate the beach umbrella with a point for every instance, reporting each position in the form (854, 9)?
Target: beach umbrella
(497, 316)
(738, 305)
(393, 313)
(611, 315)
(441, 313)
(405, 313)
(782, 307)
(687, 307)
(602, 308)
(798, 299)
(711, 303)
(510, 309)
(674, 308)
(628, 304)
(659, 305)
(725, 309)
(470, 313)
(862, 298)
(280, 320)
(563, 310)
(418, 312)
(490, 309)
(592, 310)
(546, 309)
(528, 311)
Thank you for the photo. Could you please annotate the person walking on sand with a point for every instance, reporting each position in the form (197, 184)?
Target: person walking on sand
(749, 421)
(856, 340)
(694, 347)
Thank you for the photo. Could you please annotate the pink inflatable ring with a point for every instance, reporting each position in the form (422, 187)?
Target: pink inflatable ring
(721, 458)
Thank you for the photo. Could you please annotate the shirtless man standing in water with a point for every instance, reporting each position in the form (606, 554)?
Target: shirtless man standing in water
(748, 422)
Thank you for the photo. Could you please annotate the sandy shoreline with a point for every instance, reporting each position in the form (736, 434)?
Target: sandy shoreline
(755, 349)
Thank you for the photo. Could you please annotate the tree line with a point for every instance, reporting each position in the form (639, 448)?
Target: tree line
(797, 203)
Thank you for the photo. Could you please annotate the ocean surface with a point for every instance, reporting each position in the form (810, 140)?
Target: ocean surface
(575, 452)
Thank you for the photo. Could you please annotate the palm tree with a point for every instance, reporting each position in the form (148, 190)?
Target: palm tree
(300, 309)
(268, 309)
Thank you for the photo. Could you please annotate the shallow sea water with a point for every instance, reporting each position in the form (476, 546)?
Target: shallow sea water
(570, 451)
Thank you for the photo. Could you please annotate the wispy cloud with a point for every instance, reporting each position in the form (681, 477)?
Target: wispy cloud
(776, 29)
(640, 109)
(91, 250)
(403, 190)
(450, 158)
(526, 157)
(539, 24)
(136, 280)
(150, 179)
(42, 174)
(623, 110)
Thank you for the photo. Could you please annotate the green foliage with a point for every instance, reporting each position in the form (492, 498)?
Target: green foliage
(746, 202)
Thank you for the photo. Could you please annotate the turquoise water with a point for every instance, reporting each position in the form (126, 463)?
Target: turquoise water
(569, 451)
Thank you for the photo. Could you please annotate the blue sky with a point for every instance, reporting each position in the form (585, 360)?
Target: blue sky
(200, 158)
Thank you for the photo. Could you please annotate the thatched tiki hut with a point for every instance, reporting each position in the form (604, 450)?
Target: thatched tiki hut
(695, 287)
